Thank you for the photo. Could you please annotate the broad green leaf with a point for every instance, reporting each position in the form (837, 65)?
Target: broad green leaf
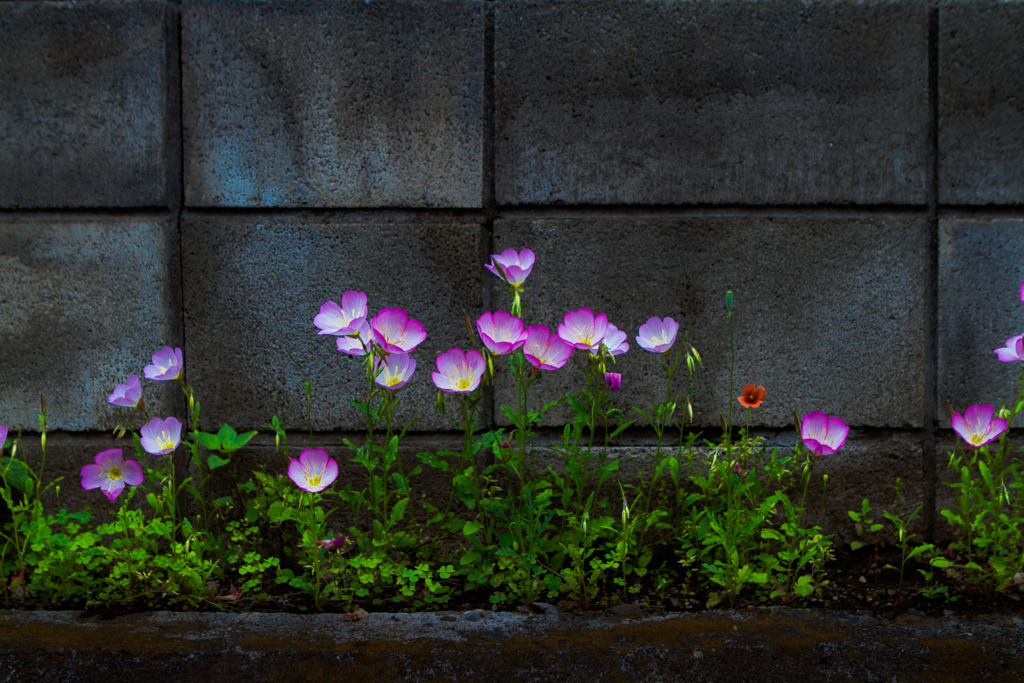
(215, 461)
(226, 434)
(16, 474)
(207, 440)
(471, 527)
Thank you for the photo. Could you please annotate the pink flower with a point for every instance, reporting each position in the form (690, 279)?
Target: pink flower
(582, 329)
(615, 341)
(110, 474)
(356, 343)
(332, 543)
(822, 434)
(613, 380)
(501, 333)
(3, 435)
(395, 331)
(314, 470)
(1022, 292)
(459, 371)
(160, 437)
(1012, 350)
(977, 427)
(127, 395)
(342, 320)
(543, 350)
(511, 267)
(394, 371)
(658, 335)
(167, 364)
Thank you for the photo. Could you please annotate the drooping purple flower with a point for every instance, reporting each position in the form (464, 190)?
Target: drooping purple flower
(358, 342)
(394, 371)
(167, 364)
(582, 329)
(545, 351)
(613, 380)
(459, 371)
(111, 473)
(160, 437)
(395, 331)
(314, 470)
(501, 332)
(127, 395)
(512, 267)
(822, 434)
(342, 320)
(657, 335)
(336, 543)
(615, 340)
(1012, 350)
(977, 426)
(3, 435)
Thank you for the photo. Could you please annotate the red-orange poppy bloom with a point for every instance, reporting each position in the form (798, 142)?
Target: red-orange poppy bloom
(752, 396)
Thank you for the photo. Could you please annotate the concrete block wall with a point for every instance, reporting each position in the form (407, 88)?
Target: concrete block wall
(205, 174)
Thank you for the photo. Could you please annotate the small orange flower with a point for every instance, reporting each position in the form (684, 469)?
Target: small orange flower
(752, 396)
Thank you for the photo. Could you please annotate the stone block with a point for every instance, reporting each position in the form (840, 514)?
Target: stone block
(981, 105)
(254, 284)
(664, 102)
(980, 274)
(86, 302)
(330, 104)
(88, 104)
(828, 312)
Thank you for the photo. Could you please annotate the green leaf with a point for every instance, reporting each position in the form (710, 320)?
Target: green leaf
(16, 474)
(471, 527)
(210, 441)
(227, 434)
(223, 501)
(398, 511)
(240, 440)
(215, 461)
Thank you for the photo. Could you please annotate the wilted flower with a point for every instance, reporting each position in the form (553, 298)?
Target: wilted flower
(615, 340)
(127, 395)
(459, 371)
(342, 320)
(613, 380)
(657, 335)
(111, 473)
(3, 435)
(333, 543)
(1012, 350)
(314, 470)
(160, 437)
(167, 364)
(543, 350)
(752, 396)
(394, 371)
(822, 434)
(357, 342)
(582, 329)
(501, 333)
(977, 426)
(395, 331)
(511, 267)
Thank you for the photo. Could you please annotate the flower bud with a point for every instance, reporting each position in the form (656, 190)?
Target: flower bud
(728, 301)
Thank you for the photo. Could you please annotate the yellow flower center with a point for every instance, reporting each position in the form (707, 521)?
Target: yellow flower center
(976, 439)
(114, 473)
(313, 479)
(462, 384)
(166, 443)
(393, 380)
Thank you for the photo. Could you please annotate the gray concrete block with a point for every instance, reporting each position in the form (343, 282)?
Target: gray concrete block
(828, 312)
(710, 102)
(85, 302)
(254, 284)
(980, 273)
(981, 105)
(88, 104)
(333, 103)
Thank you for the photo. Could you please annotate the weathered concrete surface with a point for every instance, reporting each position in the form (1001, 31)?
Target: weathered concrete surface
(981, 105)
(755, 644)
(981, 267)
(85, 303)
(723, 102)
(828, 315)
(253, 285)
(88, 104)
(313, 103)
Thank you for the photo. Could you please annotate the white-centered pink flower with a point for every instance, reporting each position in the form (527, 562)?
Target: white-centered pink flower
(344, 319)
(545, 351)
(657, 335)
(160, 437)
(314, 470)
(582, 329)
(167, 364)
(357, 343)
(395, 331)
(822, 434)
(1012, 350)
(501, 332)
(127, 395)
(615, 340)
(977, 426)
(613, 380)
(459, 371)
(512, 267)
(395, 371)
(111, 473)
